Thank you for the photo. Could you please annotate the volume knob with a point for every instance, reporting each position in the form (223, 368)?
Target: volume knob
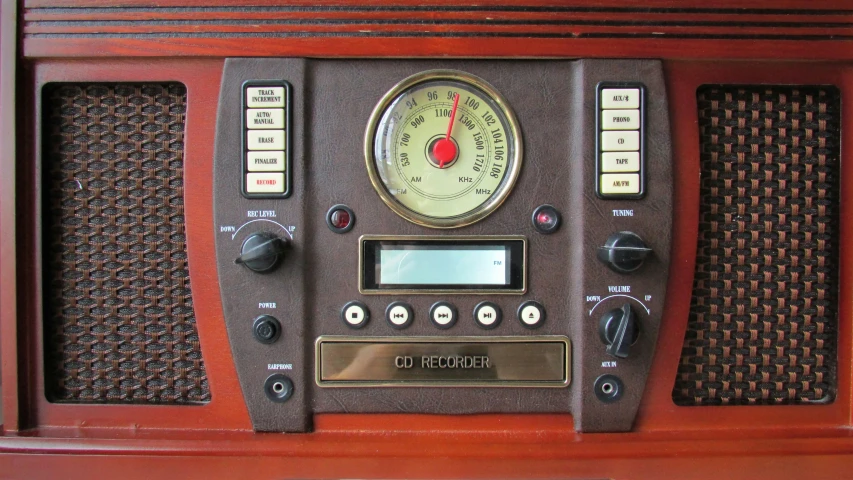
(618, 330)
(261, 252)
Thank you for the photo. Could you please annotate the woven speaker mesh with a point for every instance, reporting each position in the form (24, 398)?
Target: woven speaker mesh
(763, 314)
(119, 322)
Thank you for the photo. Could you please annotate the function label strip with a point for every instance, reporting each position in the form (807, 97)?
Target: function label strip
(620, 140)
(267, 161)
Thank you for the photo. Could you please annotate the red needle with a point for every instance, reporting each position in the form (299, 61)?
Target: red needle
(444, 150)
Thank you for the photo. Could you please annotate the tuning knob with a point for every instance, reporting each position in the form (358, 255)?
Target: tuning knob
(618, 330)
(261, 252)
(623, 252)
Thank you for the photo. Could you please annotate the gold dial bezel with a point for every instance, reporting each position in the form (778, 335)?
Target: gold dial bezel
(484, 209)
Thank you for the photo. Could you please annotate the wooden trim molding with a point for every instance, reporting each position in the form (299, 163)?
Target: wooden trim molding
(689, 29)
(8, 252)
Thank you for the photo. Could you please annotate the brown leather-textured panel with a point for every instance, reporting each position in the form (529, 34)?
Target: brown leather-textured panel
(555, 105)
(119, 323)
(284, 292)
(764, 309)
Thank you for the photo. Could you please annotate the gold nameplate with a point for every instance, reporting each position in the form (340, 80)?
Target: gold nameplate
(542, 361)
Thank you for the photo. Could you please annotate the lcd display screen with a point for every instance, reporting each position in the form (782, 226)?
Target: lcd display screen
(443, 265)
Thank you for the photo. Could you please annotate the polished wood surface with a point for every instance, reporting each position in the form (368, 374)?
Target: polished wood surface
(818, 30)
(8, 261)
(93, 42)
(432, 447)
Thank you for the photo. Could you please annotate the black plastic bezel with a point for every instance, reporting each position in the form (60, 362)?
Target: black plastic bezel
(288, 140)
(598, 130)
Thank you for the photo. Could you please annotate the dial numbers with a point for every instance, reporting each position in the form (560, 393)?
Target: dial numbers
(437, 188)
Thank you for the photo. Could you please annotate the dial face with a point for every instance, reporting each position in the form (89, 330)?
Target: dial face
(443, 149)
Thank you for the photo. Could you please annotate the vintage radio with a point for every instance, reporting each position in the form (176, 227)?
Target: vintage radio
(342, 239)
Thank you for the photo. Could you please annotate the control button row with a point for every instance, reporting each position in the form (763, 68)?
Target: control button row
(620, 141)
(443, 315)
(266, 147)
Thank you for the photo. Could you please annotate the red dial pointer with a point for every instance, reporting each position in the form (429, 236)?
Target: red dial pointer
(444, 150)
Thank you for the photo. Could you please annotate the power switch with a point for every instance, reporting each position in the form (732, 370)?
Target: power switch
(266, 329)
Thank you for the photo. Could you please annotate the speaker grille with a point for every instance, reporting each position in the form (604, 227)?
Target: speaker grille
(763, 314)
(119, 322)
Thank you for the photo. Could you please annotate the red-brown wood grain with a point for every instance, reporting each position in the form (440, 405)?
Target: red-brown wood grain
(438, 47)
(775, 5)
(8, 284)
(488, 446)
(659, 29)
(44, 440)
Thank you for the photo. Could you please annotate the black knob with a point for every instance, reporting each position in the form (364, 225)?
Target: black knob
(623, 252)
(261, 252)
(618, 330)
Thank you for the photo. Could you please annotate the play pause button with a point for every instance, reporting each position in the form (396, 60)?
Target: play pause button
(487, 315)
(531, 314)
(355, 314)
(443, 314)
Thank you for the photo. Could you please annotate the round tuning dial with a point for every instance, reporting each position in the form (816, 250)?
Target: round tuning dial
(618, 330)
(261, 252)
(623, 252)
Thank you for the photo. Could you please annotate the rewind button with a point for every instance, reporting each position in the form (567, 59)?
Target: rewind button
(399, 315)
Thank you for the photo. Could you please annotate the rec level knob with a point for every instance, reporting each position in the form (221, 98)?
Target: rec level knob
(623, 252)
(261, 252)
(618, 330)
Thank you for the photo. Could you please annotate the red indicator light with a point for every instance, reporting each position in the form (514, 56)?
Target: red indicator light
(543, 218)
(546, 219)
(340, 219)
